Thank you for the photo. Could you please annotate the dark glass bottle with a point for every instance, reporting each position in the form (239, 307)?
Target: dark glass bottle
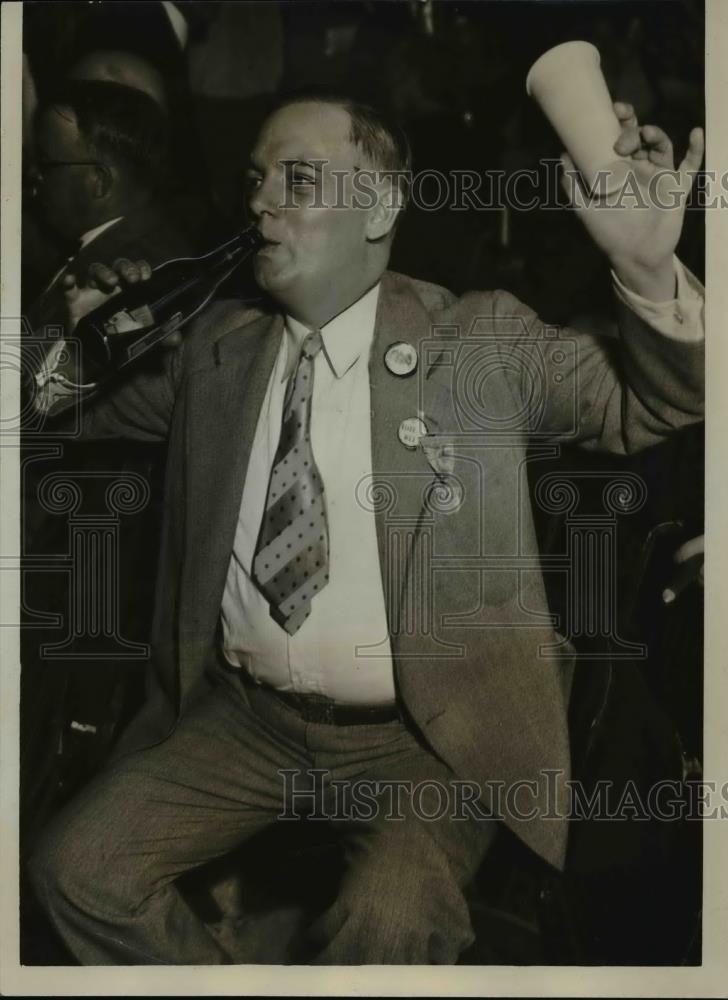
(131, 323)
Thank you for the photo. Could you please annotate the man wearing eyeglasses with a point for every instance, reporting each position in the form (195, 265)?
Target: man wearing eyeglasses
(98, 152)
(98, 171)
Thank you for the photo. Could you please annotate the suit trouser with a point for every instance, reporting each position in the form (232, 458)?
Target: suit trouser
(106, 869)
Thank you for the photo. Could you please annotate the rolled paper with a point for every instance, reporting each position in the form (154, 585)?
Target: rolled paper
(568, 84)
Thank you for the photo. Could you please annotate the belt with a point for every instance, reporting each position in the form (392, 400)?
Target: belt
(318, 708)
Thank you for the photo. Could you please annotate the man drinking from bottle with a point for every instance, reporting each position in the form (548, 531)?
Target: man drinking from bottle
(349, 598)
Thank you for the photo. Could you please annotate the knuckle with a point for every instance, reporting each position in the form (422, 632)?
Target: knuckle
(101, 273)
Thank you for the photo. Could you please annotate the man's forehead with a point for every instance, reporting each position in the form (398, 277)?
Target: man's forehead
(309, 130)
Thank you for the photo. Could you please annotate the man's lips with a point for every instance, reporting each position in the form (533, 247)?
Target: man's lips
(268, 246)
(268, 240)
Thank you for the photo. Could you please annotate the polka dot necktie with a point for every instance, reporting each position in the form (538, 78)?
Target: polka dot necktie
(291, 563)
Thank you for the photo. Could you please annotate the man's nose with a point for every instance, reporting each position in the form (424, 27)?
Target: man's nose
(265, 198)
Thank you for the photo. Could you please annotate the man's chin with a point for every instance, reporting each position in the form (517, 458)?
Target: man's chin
(270, 278)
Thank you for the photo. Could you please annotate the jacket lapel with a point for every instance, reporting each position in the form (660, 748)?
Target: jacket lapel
(225, 393)
(231, 387)
(401, 476)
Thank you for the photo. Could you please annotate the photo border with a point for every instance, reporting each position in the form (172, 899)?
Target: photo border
(710, 979)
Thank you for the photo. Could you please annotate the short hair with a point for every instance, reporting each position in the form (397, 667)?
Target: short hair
(119, 123)
(373, 130)
(123, 67)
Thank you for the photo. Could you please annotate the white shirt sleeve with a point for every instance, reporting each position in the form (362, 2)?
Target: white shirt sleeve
(681, 318)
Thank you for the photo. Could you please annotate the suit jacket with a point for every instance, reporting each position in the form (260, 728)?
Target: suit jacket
(148, 235)
(144, 235)
(468, 619)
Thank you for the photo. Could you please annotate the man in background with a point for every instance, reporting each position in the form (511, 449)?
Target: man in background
(99, 167)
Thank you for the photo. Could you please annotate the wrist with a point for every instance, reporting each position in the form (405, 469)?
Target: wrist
(657, 283)
(72, 320)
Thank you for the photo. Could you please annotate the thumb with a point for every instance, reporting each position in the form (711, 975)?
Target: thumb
(693, 158)
(74, 300)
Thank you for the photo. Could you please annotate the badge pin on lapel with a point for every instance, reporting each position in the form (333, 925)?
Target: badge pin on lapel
(400, 359)
(441, 456)
(411, 431)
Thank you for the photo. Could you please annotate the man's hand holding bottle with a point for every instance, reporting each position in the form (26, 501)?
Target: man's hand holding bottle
(102, 283)
(125, 311)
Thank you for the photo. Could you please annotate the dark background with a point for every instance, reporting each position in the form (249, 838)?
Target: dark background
(454, 75)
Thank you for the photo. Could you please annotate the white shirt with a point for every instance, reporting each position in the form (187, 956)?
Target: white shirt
(178, 23)
(328, 654)
(54, 386)
(84, 240)
(681, 318)
(91, 234)
(349, 612)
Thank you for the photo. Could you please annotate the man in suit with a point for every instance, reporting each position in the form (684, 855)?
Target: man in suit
(99, 164)
(100, 158)
(349, 599)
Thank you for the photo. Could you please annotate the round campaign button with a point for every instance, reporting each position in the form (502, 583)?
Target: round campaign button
(411, 431)
(401, 358)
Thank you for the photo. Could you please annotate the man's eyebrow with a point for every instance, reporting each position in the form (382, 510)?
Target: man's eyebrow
(303, 161)
(292, 161)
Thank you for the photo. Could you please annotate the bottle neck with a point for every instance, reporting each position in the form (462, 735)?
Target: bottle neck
(247, 241)
(216, 265)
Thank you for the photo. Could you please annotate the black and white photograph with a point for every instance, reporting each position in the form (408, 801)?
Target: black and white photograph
(356, 582)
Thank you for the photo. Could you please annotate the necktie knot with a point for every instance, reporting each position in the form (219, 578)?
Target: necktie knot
(312, 344)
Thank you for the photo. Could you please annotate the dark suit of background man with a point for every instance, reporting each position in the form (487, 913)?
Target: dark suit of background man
(98, 163)
(285, 451)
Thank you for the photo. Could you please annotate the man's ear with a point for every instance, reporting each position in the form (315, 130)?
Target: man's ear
(102, 181)
(381, 218)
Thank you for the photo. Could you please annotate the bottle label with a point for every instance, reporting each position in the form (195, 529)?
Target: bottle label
(126, 321)
(143, 344)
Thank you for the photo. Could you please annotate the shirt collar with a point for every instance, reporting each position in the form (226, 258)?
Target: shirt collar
(346, 337)
(178, 22)
(91, 235)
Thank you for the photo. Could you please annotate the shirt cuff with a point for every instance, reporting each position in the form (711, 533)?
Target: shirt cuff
(681, 318)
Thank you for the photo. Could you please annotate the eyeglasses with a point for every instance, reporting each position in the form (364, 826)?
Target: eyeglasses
(43, 165)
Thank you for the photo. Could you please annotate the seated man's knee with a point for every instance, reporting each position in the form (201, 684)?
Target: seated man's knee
(58, 864)
(76, 862)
